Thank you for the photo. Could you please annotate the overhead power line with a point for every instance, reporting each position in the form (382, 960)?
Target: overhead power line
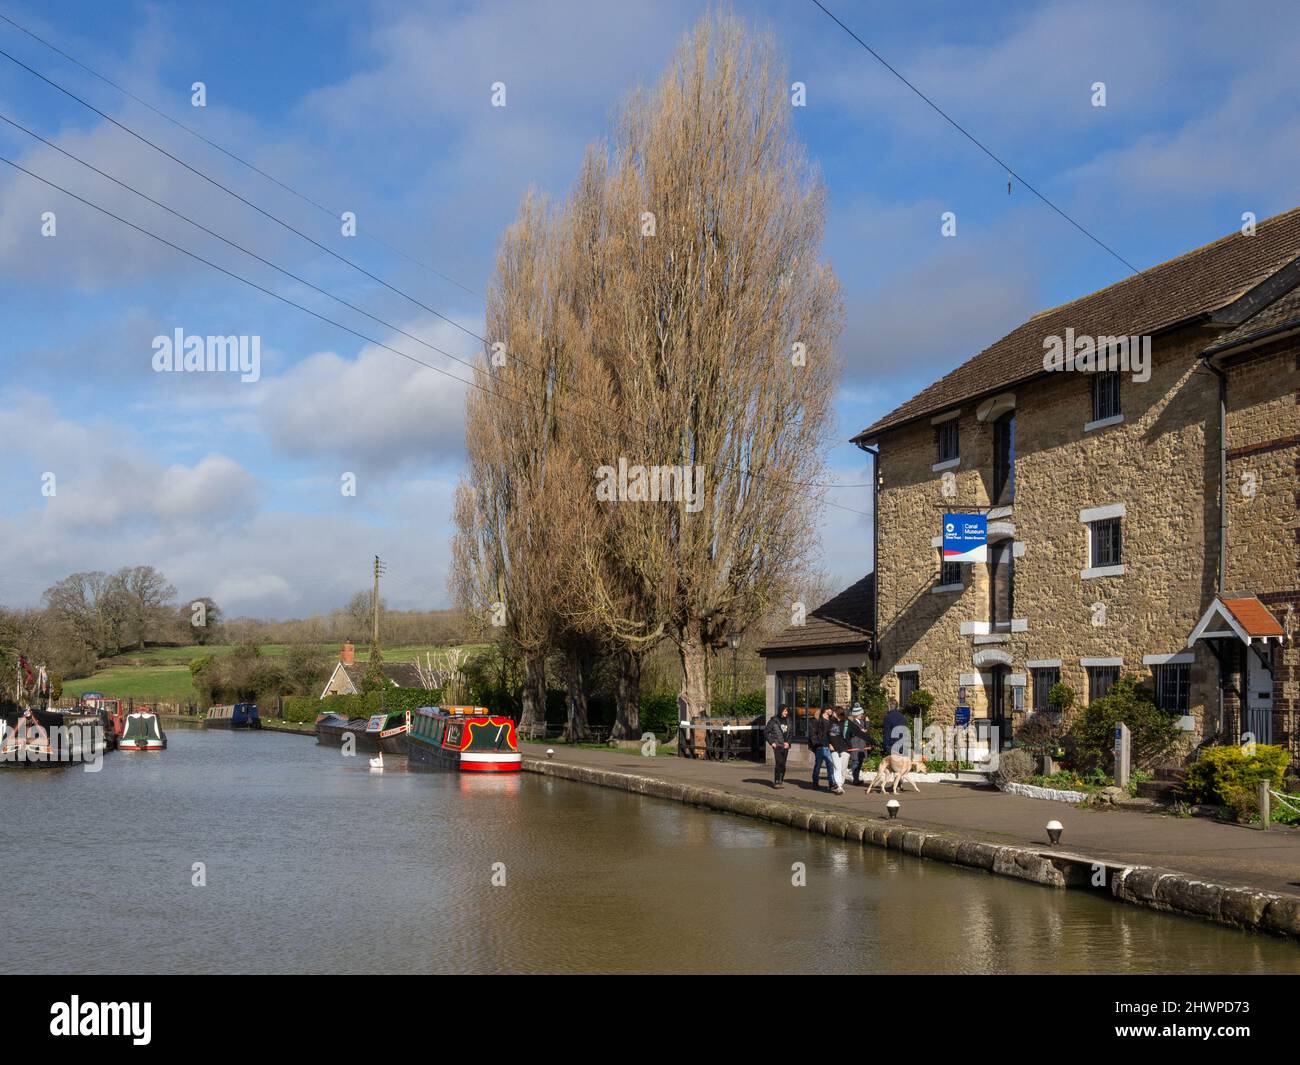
(232, 155)
(975, 140)
(316, 314)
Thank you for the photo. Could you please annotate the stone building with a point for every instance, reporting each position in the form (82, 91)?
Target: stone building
(812, 664)
(1134, 527)
(348, 678)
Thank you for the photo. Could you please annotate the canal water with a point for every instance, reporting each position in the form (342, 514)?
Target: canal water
(315, 863)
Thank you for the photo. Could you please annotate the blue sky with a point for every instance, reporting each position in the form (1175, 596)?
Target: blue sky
(383, 109)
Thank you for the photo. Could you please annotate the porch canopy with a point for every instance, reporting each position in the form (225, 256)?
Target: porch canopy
(1232, 628)
(1242, 617)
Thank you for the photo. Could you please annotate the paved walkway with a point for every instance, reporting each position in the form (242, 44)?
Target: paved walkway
(1222, 853)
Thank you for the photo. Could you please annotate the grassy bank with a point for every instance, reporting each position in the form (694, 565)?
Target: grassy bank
(162, 674)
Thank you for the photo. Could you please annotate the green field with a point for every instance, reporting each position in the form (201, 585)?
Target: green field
(162, 674)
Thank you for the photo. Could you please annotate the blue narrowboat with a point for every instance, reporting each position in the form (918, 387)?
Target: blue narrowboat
(239, 715)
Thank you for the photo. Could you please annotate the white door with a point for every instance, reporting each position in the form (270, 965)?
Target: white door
(1259, 695)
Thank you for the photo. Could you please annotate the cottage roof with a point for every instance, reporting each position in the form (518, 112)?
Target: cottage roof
(842, 623)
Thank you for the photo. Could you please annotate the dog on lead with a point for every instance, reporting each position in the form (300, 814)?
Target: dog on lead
(899, 766)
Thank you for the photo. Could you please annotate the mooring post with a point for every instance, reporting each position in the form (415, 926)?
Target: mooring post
(1265, 813)
(1122, 749)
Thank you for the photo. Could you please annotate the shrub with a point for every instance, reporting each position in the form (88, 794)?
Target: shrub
(1231, 777)
(1060, 698)
(659, 712)
(748, 704)
(920, 702)
(1153, 732)
(1015, 766)
(871, 693)
(307, 708)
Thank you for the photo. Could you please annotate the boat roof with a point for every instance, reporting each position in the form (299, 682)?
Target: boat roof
(448, 711)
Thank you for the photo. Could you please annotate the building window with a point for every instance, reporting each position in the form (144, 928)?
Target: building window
(1173, 686)
(908, 681)
(1107, 543)
(803, 693)
(1100, 681)
(949, 572)
(1002, 586)
(946, 441)
(1004, 459)
(1105, 395)
(1045, 678)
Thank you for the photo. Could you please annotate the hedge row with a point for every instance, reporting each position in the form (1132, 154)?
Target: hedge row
(658, 709)
(308, 707)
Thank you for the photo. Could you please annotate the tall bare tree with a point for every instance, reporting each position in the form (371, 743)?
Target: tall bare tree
(511, 518)
(719, 319)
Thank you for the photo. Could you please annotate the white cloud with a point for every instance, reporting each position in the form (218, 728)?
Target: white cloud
(378, 409)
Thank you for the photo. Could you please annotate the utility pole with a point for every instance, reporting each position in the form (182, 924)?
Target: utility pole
(374, 605)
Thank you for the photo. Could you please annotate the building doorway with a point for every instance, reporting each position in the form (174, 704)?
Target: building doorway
(1259, 693)
(999, 711)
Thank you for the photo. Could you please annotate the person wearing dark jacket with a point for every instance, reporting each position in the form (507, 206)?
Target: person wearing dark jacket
(897, 738)
(819, 737)
(777, 735)
(859, 740)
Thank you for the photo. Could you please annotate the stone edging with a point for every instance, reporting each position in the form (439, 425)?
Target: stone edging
(1033, 791)
(1160, 889)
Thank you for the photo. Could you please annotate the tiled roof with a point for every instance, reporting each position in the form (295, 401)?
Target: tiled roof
(402, 674)
(842, 623)
(1196, 283)
(1253, 617)
(1281, 312)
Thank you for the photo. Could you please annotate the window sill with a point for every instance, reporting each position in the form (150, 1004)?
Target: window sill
(947, 464)
(946, 589)
(1003, 511)
(1102, 423)
(1101, 571)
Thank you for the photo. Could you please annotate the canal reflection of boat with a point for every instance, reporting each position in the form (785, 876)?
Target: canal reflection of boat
(384, 732)
(239, 715)
(143, 732)
(469, 738)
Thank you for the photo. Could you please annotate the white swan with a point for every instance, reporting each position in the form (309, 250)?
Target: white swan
(377, 762)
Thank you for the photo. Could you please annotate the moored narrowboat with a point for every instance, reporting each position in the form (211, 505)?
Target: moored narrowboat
(385, 731)
(32, 736)
(143, 732)
(239, 715)
(469, 738)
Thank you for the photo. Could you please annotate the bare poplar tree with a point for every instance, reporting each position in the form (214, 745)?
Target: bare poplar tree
(719, 319)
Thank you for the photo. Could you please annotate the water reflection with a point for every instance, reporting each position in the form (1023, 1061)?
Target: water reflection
(316, 864)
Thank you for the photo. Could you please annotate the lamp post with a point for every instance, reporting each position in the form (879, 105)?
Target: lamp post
(733, 639)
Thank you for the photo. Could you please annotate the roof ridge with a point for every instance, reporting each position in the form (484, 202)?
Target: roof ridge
(1140, 303)
(1199, 250)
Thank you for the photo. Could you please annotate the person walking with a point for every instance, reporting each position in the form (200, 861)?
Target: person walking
(897, 738)
(839, 745)
(777, 734)
(859, 740)
(818, 743)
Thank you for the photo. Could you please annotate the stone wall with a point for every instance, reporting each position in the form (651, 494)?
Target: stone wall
(1160, 462)
(1264, 508)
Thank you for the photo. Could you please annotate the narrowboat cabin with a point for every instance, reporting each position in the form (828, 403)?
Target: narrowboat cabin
(469, 738)
(384, 732)
(34, 737)
(240, 715)
(143, 732)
